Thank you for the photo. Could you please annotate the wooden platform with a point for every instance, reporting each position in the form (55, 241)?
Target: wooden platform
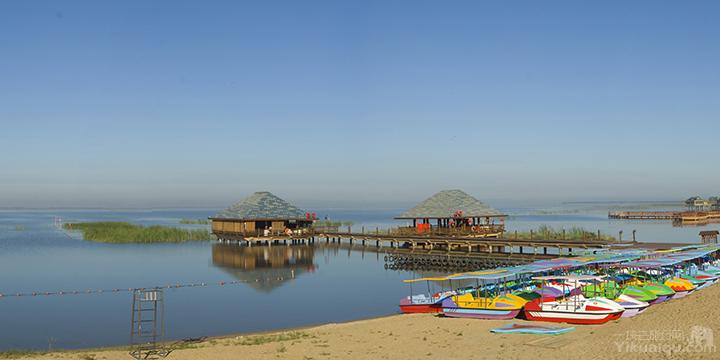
(444, 244)
(682, 216)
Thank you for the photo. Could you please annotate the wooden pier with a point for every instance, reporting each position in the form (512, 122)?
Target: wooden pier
(444, 244)
(643, 215)
(676, 216)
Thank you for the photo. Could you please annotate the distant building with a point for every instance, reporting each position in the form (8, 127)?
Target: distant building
(715, 202)
(697, 203)
(257, 213)
(455, 212)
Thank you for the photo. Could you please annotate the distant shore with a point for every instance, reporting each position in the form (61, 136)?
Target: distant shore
(668, 330)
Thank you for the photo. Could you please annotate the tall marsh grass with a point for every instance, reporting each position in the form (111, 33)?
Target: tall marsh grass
(545, 232)
(123, 232)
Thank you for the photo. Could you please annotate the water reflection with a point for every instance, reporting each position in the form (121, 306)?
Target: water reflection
(264, 268)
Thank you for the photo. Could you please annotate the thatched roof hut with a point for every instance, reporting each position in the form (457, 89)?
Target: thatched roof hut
(262, 205)
(450, 204)
(257, 212)
(455, 209)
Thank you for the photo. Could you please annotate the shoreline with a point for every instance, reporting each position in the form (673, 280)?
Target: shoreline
(663, 330)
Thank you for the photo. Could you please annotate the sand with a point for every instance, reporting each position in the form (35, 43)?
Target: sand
(663, 331)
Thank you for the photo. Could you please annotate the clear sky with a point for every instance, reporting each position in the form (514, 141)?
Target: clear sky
(356, 103)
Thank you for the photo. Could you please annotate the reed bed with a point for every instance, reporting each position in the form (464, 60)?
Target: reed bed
(544, 232)
(123, 232)
(330, 223)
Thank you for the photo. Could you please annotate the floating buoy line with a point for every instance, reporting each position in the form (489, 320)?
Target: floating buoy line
(119, 290)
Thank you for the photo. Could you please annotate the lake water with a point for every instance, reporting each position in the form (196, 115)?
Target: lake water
(281, 288)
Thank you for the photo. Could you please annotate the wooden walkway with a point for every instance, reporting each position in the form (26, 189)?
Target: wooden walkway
(681, 216)
(434, 243)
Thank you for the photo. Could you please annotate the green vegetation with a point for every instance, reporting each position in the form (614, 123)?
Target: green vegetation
(329, 223)
(19, 228)
(264, 339)
(123, 232)
(195, 221)
(16, 354)
(545, 232)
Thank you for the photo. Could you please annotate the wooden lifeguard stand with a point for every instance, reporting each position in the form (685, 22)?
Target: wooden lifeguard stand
(148, 325)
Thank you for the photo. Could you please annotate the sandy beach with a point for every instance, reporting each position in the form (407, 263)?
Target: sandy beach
(679, 329)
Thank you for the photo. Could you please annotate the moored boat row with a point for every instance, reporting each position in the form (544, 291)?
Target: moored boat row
(589, 290)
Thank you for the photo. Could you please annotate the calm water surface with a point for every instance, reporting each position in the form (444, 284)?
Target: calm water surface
(311, 285)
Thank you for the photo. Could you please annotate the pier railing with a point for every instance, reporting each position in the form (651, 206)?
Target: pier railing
(679, 216)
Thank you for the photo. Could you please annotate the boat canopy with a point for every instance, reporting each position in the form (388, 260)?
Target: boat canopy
(612, 258)
(569, 277)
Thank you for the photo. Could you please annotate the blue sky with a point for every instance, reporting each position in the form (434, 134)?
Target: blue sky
(364, 103)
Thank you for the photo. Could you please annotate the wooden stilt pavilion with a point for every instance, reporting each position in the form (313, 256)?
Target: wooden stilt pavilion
(454, 212)
(261, 214)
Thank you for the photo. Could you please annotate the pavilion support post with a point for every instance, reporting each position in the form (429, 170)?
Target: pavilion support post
(544, 250)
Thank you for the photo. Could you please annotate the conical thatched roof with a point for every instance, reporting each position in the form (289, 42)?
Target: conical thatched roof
(446, 203)
(262, 205)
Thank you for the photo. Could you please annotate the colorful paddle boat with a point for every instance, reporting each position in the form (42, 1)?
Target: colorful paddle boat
(424, 303)
(633, 306)
(491, 300)
(572, 309)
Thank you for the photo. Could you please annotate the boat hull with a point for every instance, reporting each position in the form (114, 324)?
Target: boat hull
(420, 308)
(487, 314)
(628, 313)
(572, 318)
(661, 298)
